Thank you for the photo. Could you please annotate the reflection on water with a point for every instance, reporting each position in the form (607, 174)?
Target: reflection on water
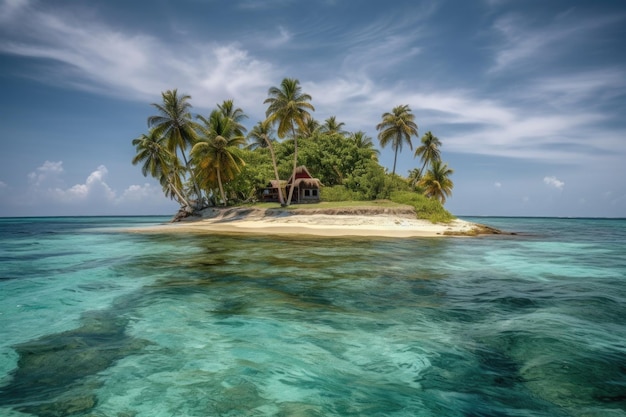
(261, 326)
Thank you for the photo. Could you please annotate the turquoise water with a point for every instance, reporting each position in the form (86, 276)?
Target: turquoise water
(98, 322)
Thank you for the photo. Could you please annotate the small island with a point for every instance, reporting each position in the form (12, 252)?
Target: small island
(292, 174)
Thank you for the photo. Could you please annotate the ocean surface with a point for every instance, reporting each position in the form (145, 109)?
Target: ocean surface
(95, 321)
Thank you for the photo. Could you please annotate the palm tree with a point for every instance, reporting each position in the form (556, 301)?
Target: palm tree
(236, 114)
(311, 128)
(331, 126)
(428, 151)
(436, 181)
(415, 175)
(362, 141)
(215, 153)
(160, 164)
(288, 107)
(175, 124)
(397, 127)
(261, 135)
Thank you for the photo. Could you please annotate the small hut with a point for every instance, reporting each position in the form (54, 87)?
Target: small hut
(306, 188)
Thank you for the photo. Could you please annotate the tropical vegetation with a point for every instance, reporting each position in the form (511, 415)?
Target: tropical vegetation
(213, 160)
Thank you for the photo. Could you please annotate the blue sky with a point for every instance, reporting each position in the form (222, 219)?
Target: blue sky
(528, 98)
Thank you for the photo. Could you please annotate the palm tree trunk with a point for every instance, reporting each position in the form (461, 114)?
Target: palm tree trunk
(219, 182)
(295, 165)
(393, 173)
(281, 199)
(193, 177)
(423, 166)
(181, 198)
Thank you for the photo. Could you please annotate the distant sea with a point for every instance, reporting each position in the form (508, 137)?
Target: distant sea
(95, 321)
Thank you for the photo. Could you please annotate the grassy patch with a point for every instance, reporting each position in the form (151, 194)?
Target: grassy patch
(425, 207)
(328, 205)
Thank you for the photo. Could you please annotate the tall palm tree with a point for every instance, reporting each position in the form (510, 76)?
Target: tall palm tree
(261, 136)
(362, 141)
(160, 164)
(175, 123)
(436, 181)
(288, 107)
(215, 152)
(428, 151)
(331, 126)
(396, 128)
(236, 114)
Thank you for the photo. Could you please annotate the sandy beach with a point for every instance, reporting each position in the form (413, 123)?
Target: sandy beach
(401, 223)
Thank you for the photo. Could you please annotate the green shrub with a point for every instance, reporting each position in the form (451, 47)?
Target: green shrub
(339, 193)
(426, 208)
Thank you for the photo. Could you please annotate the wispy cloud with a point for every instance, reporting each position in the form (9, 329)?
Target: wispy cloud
(524, 44)
(46, 174)
(588, 89)
(100, 58)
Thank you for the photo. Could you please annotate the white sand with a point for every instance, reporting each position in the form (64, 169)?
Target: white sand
(257, 221)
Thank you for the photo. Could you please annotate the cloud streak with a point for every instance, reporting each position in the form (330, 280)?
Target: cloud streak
(526, 45)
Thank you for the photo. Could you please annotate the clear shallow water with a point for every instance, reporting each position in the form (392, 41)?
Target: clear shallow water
(97, 322)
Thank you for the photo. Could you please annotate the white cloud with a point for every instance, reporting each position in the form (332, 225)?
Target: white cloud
(48, 173)
(94, 189)
(497, 184)
(133, 65)
(284, 36)
(144, 194)
(47, 194)
(554, 182)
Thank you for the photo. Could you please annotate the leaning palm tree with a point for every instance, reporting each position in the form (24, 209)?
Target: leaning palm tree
(215, 152)
(236, 114)
(160, 163)
(172, 184)
(436, 181)
(175, 123)
(288, 107)
(261, 136)
(331, 126)
(397, 127)
(428, 151)
(362, 141)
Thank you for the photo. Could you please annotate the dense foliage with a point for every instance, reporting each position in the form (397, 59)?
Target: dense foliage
(227, 167)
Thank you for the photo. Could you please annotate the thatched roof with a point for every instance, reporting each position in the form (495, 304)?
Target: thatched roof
(308, 183)
(303, 179)
(276, 184)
